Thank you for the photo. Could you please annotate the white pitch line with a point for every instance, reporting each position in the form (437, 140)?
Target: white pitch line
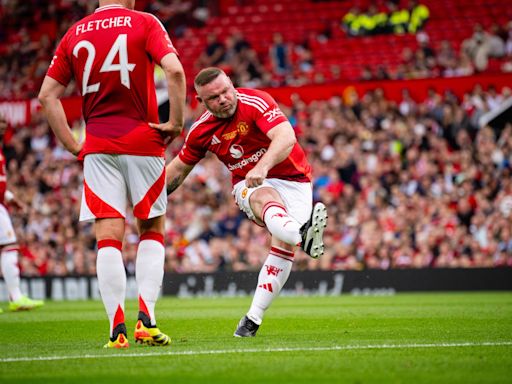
(261, 350)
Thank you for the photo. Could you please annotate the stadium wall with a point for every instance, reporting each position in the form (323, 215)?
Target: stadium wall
(230, 284)
(418, 89)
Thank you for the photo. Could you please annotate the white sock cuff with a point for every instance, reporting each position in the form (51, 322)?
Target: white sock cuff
(282, 253)
(151, 246)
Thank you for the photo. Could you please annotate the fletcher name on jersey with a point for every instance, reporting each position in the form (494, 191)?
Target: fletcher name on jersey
(112, 54)
(239, 141)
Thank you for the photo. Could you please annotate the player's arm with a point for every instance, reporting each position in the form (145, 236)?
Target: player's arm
(49, 97)
(176, 172)
(283, 139)
(176, 89)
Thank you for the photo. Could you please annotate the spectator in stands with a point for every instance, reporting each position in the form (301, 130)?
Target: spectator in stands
(366, 73)
(279, 54)
(424, 44)
(508, 48)
(351, 22)
(418, 16)
(240, 42)
(407, 106)
(446, 54)
(249, 71)
(213, 53)
(398, 19)
(366, 22)
(304, 61)
(381, 73)
(381, 21)
(481, 46)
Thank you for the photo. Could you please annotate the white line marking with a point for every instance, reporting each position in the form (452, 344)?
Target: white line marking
(261, 350)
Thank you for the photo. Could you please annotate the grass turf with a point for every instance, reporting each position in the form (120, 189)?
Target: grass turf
(418, 338)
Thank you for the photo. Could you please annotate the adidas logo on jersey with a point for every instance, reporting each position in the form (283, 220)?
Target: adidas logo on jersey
(215, 140)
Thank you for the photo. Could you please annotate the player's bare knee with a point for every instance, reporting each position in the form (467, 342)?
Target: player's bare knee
(281, 244)
(155, 224)
(110, 228)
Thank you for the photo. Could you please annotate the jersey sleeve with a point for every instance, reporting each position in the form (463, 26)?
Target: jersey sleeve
(272, 115)
(158, 42)
(60, 67)
(192, 151)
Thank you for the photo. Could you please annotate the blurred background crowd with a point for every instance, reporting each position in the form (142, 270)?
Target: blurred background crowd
(408, 183)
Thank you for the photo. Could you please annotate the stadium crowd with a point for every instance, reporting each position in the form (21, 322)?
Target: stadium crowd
(26, 50)
(409, 184)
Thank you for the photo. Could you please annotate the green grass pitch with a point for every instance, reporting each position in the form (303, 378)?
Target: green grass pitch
(406, 338)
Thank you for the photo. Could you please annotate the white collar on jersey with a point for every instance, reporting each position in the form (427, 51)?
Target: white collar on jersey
(107, 7)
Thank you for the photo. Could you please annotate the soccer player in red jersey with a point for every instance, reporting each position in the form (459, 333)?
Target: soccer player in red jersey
(8, 242)
(271, 177)
(111, 54)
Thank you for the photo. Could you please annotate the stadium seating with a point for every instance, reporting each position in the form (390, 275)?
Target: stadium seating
(301, 20)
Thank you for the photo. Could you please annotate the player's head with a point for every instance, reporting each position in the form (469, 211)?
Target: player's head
(130, 4)
(216, 91)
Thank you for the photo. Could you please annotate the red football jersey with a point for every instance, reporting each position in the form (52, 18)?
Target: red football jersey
(241, 140)
(3, 177)
(111, 54)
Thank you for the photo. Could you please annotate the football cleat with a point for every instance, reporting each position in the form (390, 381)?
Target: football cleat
(149, 335)
(312, 232)
(120, 342)
(246, 328)
(119, 339)
(25, 303)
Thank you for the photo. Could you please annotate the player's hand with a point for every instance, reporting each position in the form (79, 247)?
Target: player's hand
(170, 129)
(255, 177)
(77, 148)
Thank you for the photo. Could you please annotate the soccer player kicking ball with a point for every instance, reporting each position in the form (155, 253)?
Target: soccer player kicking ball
(271, 177)
(112, 54)
(8, 242)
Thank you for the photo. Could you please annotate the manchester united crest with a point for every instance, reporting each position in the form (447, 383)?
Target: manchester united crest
(242, 128)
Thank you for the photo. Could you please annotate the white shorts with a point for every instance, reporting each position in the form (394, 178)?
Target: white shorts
(297, 198)
(111, 182)
(7, 235)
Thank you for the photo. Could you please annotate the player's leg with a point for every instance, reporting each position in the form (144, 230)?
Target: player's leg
(297, 215)
(104, 200)
(9, 251)
(112, 277)
(268, 207)
(11, 271)
(271, 279)
(284, 207)
(146, 186)
(271, 204)
(149, 272)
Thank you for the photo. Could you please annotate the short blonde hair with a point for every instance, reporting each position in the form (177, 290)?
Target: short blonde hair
(206, 76)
